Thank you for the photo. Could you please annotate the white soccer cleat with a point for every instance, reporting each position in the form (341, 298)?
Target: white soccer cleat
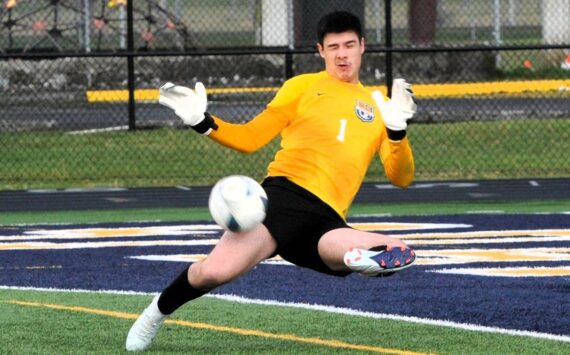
(379, 261)
(145, 328)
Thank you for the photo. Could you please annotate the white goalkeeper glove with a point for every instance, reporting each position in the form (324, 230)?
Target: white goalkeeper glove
(190, 105)
(397, 111)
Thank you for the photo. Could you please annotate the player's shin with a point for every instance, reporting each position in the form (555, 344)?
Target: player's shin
(179, 292)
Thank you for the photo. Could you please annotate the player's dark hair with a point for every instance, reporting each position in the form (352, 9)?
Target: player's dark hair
(338, 22)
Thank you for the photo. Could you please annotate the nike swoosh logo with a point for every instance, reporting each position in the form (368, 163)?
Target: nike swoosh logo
(320, 93)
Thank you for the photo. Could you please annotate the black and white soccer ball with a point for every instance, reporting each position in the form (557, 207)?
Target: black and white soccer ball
(238, 203)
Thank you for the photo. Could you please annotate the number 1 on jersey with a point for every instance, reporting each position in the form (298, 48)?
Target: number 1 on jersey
(342, 130)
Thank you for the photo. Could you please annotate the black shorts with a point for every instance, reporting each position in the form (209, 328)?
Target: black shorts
(297, 220)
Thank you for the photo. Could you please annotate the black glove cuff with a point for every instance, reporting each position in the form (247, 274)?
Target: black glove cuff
(396, 135)
(206, 125)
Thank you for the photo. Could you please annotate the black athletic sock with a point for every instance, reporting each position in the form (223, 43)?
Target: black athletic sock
(178, 293)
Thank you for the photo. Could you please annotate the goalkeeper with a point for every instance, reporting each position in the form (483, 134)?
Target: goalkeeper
(331, 129)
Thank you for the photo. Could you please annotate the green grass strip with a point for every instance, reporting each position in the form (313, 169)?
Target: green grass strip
(212, 326)
(170, 157)
(202, 214)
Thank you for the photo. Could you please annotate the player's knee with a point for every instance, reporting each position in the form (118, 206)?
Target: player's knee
(205, 277)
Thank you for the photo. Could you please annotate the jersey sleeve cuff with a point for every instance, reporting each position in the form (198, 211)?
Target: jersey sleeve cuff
(206, 126)
(396, 135)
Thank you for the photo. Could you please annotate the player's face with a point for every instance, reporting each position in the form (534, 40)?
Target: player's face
(342, 53)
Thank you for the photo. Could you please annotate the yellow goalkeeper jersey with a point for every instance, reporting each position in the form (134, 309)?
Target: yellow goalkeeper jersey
(330, 132)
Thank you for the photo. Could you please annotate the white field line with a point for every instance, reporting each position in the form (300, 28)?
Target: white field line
(55, 224)
(518, 272)
(329, 309)
(162, 221)
(100, 130)
(95, 245)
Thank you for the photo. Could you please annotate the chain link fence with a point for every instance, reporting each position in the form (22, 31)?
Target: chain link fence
(79, 79)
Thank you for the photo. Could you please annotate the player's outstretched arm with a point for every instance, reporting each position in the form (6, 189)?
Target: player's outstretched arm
(397, 111)
(396, 153)
(190, 105)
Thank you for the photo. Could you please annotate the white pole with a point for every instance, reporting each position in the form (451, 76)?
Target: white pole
(86, 26)
(512, 12)
(376, 9)
(556, 21)
(177, 14)
(290, 25)
(470, 9)
(122, 27)
(256, 25)
(276, 23)
(497, 31)
(497, 18)
(177, 9)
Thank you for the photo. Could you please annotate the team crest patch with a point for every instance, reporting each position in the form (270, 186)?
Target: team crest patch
(364, 111)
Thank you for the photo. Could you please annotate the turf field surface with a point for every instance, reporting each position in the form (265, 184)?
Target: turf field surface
(483, 283)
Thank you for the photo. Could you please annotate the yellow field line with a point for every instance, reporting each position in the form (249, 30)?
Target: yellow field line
(233, 330)
(421, 90)
(489, 88)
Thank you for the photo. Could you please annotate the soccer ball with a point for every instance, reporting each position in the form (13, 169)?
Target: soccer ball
(237, 203)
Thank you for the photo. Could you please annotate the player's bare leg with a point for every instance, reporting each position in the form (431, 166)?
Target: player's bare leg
(233, 255)
(370, 254)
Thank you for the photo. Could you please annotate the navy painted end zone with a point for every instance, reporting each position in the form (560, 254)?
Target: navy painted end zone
(197, 196)
(539, 304)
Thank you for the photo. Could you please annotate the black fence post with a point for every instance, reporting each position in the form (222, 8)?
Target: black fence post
(389, 74)
(288, 64)
(131, 66)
